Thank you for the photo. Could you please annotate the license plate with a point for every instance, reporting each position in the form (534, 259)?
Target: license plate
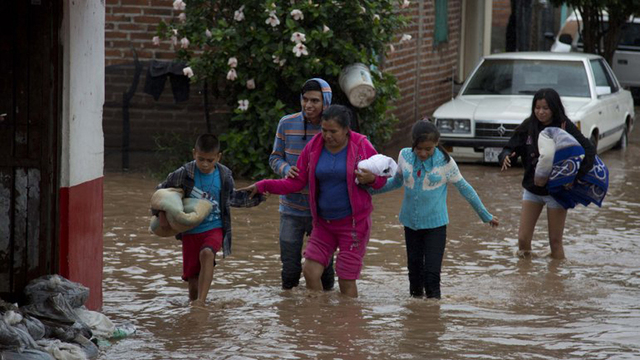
(491, 154)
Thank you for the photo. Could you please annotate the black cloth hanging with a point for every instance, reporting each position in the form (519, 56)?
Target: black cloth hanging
(157, 77)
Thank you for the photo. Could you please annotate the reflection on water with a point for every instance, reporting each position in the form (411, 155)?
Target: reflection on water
(495, 305)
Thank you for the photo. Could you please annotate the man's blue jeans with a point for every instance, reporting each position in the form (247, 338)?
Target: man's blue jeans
(292, 231)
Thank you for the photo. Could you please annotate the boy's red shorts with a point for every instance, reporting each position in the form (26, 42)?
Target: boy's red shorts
(192, 244)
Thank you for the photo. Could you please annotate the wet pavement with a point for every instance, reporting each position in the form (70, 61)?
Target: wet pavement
(495, 305)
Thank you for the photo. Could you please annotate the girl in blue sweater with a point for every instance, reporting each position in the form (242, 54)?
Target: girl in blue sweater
(425, 170)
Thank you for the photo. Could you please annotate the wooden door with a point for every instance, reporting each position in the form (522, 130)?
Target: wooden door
(29, 119)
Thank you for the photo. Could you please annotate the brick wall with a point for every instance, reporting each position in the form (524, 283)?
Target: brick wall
(150, 118)
(132, 23)
(500, 13)
(423, 71)
(499, 20)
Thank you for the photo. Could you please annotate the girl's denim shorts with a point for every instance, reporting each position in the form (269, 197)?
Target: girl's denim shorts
(546, 199)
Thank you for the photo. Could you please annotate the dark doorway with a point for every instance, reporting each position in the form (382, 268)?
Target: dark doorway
(29, 131)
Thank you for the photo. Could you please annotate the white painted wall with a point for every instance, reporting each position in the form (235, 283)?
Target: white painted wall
(475, 35)
(82, 155)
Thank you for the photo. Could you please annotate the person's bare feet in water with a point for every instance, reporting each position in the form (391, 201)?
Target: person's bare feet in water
(198, 303)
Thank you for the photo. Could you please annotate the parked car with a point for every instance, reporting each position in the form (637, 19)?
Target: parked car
(626, 59)
(497, 97)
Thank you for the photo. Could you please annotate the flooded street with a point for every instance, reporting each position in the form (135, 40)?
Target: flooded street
(495, 305)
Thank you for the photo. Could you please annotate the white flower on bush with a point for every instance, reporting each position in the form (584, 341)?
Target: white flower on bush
(325, 28)
(297, 14)
(243, 105)
(187, 71)
(405, 38)
(179, 5)
(233, 62)
(239, 14)
(277, 60)
(363, 9)
(405, 4)
(376, 17)
(251, 84)
(299, 49)
(175, 31)
(392, 49)
(184, 43)
(156, 40)
(182, 17)
(298, 37)
(232, 75)
(272, 19)
(208, 33)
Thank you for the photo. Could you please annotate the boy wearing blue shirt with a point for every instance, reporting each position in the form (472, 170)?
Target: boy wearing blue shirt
(207, 179)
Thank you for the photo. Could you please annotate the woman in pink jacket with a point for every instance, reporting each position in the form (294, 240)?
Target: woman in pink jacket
(341, 209)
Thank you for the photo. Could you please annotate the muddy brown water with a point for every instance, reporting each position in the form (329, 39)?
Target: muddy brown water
(495, 305)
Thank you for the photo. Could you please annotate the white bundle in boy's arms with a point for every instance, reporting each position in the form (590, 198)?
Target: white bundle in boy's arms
(182, 213)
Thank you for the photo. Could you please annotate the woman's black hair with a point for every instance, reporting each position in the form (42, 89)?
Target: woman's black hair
(558, 116)
(338, 113)
(425, 130)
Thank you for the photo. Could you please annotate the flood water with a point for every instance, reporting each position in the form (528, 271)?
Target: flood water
(495, 305)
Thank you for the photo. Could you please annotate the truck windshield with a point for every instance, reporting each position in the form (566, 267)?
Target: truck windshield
(525, 77)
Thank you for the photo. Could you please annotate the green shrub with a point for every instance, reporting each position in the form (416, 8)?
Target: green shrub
(236, 46)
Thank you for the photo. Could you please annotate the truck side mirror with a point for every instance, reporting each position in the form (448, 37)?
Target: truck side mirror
(565, 39)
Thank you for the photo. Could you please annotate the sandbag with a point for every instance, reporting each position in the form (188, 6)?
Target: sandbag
(182, 213)
(59, 318)
(33, 326)
(99, 323)
(62, 350)
(54, 309)
(9, 338)
(18, 332)
(28, 324)
(40, 289)
(29, 354)
(14, 338)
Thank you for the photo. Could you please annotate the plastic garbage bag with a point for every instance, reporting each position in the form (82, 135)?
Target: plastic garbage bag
(9, 339)
(54, 309)
(90, 349)
(61, 350)
(59, 319)
(31, 325)
(69, 333)
(123, 331)
(34, 326)
(5, 306)
(29, 354)
(99, 324)
(42, 288)
(14, 338)
(12, 317)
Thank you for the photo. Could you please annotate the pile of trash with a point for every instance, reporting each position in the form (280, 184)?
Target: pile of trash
(54, 324)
